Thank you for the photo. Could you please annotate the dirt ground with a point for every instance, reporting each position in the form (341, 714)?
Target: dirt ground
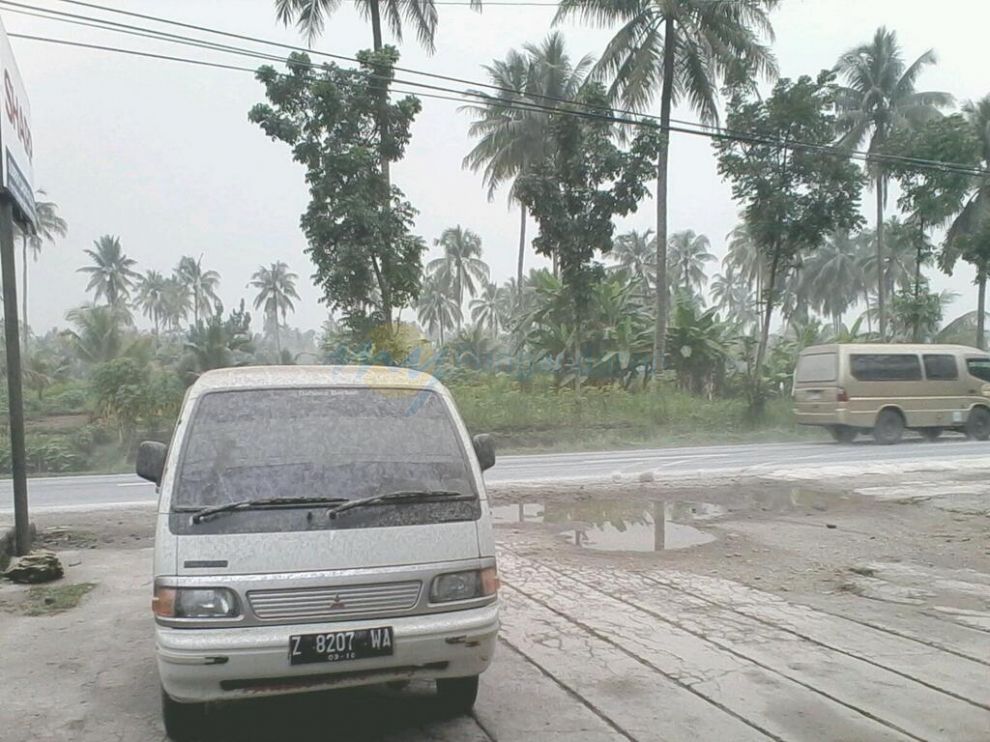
(730, 608)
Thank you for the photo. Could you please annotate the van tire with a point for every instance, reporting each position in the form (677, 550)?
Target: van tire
(930, 434)
(184, 722)
(843, 433)
(978, 424)
(457, 695)
(889, 427)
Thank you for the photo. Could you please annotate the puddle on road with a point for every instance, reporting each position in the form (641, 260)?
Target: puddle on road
(621, 525)
(609, 525)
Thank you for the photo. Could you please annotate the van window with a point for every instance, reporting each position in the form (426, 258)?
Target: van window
(885, 367)
(816, 367)
(979, 367)
(941, 368)
(326, 442)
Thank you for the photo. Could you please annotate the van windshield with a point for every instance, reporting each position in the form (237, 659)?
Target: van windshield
(816, 368)
(979, 367)
(320, 442)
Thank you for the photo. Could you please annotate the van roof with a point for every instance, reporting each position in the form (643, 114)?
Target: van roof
(310, 376)
(892, 348)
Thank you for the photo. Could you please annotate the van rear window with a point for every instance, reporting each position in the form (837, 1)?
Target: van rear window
(885, 367)
(816, 367)
(941, 368)
(979, 367)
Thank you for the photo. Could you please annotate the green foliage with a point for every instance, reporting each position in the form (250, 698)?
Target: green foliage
(357, 224)
(217, 343)
(132, 396)
(112, 274)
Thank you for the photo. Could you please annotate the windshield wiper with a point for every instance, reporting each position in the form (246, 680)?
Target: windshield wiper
(405, 496)
(204, 513)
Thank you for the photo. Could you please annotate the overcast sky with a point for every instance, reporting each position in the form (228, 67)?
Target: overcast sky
(162, 154)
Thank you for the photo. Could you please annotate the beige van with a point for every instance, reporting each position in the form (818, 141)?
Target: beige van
(886, 389)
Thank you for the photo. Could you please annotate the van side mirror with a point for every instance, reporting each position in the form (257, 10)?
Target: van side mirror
(151, 461)
(484, 449)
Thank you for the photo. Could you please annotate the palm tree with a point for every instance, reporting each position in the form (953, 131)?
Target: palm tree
(733, 295)
(47, 226)
(511, 138)
(276, 286)
(97, 336)
(436, 308)
(687, 256)
(202, 285)
(879, 97)
(635, 252)
(218, 343)
(176, 303)
(112, 274)
(833, 276)
(968, 236)
(461, 264)
(152, 298)
(686, 48)
(487, 308)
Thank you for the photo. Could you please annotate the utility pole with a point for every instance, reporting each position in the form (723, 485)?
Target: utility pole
(15, 399)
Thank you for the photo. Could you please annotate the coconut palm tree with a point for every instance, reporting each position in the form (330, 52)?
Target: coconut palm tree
(879, 97)
(47, 226)
(112, 274)
(511, 138)
(176, 303)
(732, 294)
(436, 308)
(460, 267)
(201, 285)
(151, 297)
(487, 308)
(635, 252)
(685, 49)
(968, 236)
(276, 286)
(833, 276)
(97, 335)
(687, 255)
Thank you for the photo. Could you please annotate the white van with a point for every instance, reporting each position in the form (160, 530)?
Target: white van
(319, 527)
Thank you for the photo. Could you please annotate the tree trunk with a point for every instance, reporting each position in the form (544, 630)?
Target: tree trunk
(916, 329)
(441, 332)
(869, 315)
(756, 404)
(666, 96)
(24, 296)
(278, 342)
(522, 253)
(981, 309)
(881, 277)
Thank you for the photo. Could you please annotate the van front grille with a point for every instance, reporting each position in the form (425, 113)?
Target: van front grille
(334, 603)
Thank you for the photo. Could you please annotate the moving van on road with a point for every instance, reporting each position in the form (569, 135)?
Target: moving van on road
(887, 389)
(319, 527)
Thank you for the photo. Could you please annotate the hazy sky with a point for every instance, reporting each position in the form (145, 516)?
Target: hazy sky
(162, 153)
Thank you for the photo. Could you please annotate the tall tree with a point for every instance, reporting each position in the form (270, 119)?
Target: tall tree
(687, 255)
(176, 302)
(48, 225)
(686, 49)
(98, 335)
(201, 286)
(112, 274)
(733, 295)
(792, 197)
(635, 252)
(310, 16)
(437, 310)
(151, 297)
(577, 190)
(931, 195)
(879, 97)
(511, 137)
(460, 266)
(833, 275)
(276, 286)
(486, 310)
(357, 224)
(968, 236)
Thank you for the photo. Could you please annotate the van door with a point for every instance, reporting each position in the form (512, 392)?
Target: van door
(816, 387)
(944, 400)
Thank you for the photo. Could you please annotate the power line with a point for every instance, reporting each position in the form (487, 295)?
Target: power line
(468, 96)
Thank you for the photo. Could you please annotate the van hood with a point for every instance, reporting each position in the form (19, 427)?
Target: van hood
(320, 550)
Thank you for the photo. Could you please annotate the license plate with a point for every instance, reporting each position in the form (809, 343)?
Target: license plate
(814, 396)
(339, 646)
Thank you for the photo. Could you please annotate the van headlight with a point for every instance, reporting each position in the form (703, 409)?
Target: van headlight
(194, 602)
(474, 583)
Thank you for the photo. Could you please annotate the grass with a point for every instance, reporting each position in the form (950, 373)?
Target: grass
(44, 600)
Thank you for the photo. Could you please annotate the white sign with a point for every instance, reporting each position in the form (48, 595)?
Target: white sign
(16, 145)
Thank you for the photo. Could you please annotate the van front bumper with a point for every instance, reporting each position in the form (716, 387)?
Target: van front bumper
(200, 665)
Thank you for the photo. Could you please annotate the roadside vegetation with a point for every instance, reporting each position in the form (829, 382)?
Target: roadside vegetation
(628, 338)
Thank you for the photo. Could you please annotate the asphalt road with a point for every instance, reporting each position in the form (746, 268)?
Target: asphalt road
(85, 492)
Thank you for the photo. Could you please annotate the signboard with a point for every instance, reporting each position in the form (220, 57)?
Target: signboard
(16, 145)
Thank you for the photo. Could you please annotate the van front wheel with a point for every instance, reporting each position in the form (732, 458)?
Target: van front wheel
(889, 427)
(457, 695)
(978, 424)
(843, 433)
(183, 721)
